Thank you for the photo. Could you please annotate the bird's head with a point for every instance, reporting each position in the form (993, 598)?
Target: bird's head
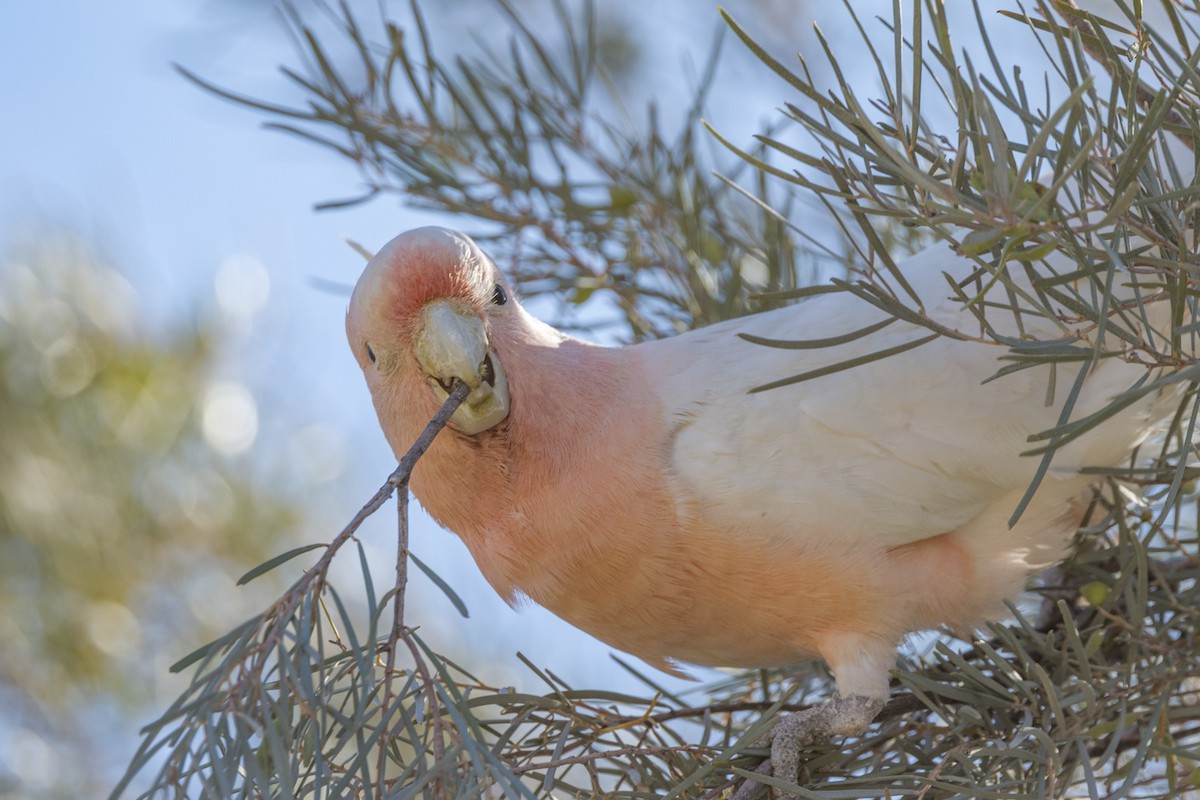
(425, 313)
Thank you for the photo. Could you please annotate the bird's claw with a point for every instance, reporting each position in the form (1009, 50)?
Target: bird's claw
(838, 716)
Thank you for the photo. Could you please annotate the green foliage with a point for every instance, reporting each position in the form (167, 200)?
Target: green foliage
(115, 514)
(1080, 193)
(572, 204)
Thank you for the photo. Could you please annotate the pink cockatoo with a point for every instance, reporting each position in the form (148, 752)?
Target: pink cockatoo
(645, 495)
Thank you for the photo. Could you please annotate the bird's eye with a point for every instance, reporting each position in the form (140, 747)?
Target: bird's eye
(370, 354)
(499, 297)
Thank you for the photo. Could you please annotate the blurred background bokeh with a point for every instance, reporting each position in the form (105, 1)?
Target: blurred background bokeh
(177, 403)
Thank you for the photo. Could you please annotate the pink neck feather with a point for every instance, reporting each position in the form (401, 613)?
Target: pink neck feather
(531, 487)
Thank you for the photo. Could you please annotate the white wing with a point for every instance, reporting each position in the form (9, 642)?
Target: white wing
(896, 450)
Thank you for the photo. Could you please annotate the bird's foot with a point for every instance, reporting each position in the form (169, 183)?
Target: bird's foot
(838, 716)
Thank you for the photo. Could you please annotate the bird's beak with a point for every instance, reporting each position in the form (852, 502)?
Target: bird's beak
(452, 344)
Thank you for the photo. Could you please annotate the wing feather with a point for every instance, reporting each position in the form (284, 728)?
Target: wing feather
(895, 450)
